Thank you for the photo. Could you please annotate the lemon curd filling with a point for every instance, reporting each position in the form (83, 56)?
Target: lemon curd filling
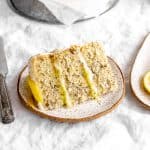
(88, 77)
(37, 94)
(63, 90)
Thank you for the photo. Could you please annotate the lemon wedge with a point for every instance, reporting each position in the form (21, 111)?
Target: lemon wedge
(37, 94)
(146, 81)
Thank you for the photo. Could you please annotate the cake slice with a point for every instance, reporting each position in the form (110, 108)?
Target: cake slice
(71, 76)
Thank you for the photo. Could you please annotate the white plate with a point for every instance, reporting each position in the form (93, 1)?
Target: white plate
(87, 111)
(141, 65)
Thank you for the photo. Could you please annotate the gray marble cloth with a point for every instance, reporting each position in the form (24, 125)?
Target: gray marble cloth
(122, 31)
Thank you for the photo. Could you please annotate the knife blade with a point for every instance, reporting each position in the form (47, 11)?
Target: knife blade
(5, 103)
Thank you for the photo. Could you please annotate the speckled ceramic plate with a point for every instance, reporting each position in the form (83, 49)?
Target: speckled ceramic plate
(140, 67)
(87, 111)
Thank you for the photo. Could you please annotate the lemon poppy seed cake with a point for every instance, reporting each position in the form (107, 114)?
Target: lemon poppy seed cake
(71, 76)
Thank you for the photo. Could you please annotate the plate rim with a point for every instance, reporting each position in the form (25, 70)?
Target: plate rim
(72, 120)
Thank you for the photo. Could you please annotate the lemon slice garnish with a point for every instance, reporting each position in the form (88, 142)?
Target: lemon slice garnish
(146, 81)
(37, 94)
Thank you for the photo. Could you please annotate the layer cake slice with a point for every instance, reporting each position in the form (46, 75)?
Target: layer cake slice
(71, 76)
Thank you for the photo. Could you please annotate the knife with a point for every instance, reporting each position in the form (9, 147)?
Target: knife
(5, 104)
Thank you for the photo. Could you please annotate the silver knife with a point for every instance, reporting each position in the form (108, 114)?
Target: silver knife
(5, 104)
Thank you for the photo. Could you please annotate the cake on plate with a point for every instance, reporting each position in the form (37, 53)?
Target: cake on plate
(68, 77)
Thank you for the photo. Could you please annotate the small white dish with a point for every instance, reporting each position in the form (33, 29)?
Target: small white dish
(140, 67)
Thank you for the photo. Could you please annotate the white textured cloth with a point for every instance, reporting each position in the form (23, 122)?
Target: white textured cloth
(122, 31)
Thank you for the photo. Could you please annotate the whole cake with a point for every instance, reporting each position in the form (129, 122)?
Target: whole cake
(71, 76)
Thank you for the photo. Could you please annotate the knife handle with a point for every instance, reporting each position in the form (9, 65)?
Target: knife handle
(5, 104)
